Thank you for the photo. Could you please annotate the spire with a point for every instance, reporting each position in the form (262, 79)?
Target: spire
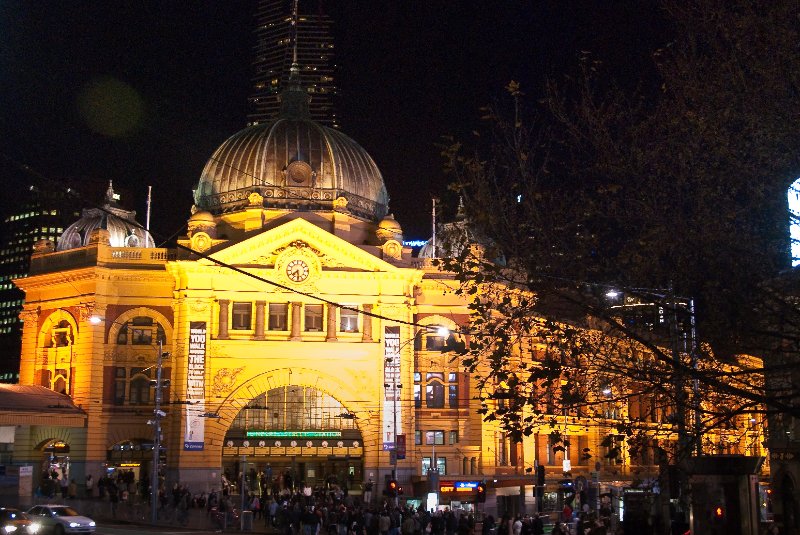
(111, 197)
(294, 99)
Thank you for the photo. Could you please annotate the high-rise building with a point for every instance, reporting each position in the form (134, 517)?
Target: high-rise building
(274, 54)
(39, 214)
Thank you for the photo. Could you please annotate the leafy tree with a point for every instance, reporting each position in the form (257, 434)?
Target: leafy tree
(678, 186)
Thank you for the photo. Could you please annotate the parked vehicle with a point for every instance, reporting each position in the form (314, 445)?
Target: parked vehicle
(60, 520)
(16, 522)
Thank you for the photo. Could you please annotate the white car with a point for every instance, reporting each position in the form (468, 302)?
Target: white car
(61, 519)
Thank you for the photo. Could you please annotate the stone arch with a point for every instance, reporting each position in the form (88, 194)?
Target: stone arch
(51, 322)
(119, 434)
(366, 416)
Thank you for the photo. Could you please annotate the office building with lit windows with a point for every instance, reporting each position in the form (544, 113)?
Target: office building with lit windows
(273, 53)
(39, 215)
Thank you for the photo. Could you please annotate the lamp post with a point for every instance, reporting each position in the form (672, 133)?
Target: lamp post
(156, 422)
(158, 414)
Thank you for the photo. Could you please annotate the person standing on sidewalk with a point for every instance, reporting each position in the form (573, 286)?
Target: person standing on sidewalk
(89, 486)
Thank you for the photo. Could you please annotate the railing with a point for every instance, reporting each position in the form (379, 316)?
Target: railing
(93, 255)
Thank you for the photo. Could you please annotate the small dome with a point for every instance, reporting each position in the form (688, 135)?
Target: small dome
(202, 216)
(123, 230)
(202, 221)
(389, 229)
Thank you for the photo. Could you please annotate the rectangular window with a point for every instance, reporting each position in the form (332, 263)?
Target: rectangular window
(452, 395)
(434, 437)
(277, 316)
(241, 319)
(120, 383)
(348, 320)
(417, 396)
(417, 437)
(453, 437)
(142, 336)
(441, 464)
(313, 318)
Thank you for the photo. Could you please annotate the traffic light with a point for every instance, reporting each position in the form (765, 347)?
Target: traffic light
(718, 513)
(540, 475)
(480, 497)
(392, 488)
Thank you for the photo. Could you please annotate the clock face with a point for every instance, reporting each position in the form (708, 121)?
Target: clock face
(297, 270)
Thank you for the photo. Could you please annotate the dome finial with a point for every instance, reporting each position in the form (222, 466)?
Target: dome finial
(294, 99)
(111, 197)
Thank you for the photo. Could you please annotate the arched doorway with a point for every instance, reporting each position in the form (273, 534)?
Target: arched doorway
(55, 467)
(291, 437)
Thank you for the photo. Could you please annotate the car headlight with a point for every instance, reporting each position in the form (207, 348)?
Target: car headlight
(91, 523)
(9, 529)
(74, 524)
(34, 527)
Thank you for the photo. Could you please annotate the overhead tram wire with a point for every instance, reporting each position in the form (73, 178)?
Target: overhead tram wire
(79, 197)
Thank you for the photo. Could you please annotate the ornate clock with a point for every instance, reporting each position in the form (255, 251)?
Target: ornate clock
(297, 270)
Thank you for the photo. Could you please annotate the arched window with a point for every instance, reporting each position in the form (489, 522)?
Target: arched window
(140, 387)
(794, 221)
(434, 390)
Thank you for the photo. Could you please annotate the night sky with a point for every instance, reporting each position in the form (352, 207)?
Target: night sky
(409, 73)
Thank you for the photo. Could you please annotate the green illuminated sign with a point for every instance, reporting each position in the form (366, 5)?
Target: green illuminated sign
(293, 434)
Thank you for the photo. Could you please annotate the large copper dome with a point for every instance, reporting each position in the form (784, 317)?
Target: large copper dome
(293, 163)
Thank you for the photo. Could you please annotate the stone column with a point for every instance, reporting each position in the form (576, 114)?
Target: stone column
(223, 319)
(367, 336)
(331, 335)
(297, 308)
(260, 319)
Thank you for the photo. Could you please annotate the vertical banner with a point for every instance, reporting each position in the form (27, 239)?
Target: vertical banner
(194, 435)
(392, 409)
(401, 446)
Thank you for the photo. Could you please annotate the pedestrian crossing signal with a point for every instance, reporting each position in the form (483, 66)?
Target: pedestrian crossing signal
(392, 488)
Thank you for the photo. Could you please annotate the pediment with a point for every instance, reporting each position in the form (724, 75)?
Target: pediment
(300, 239)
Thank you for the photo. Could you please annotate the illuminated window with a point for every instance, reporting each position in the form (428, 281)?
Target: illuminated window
(241, 317)
(348, 320)
(434, 438)
(313, 318)
(441, 464)
(277, 316)
(794, 221)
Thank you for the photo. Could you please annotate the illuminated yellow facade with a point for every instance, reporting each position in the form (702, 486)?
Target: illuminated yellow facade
(297, 335)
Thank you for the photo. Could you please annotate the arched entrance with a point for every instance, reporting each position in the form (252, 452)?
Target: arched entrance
(55, 467)
(293, 436)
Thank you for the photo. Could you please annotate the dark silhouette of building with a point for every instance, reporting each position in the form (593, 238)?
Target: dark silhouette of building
(274, 54)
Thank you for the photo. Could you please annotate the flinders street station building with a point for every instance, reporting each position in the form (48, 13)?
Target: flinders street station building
(290, 334)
